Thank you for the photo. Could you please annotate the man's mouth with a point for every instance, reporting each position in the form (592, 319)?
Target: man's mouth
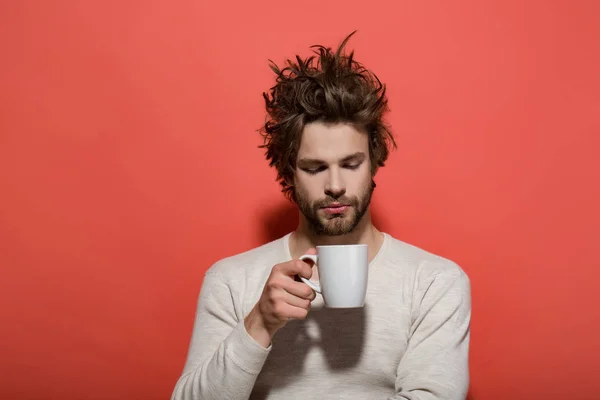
(335, 208)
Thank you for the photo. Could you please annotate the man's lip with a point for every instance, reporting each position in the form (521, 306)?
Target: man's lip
(335, 205)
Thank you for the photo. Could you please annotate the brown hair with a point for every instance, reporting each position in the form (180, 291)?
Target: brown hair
(331, 88)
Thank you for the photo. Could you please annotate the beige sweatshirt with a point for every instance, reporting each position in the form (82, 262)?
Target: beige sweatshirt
(409, 341)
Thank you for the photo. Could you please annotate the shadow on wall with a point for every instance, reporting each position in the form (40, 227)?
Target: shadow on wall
(279, 220)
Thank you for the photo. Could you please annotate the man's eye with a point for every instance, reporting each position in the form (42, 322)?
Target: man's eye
(352, 166)
(313, 171)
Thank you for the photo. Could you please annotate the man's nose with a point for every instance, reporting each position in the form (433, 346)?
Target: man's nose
(335, 186)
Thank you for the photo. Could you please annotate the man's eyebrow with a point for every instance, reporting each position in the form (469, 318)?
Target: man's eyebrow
(310, 161)
(356, 156)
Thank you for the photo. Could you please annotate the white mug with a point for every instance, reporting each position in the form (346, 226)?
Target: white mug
(343, 274)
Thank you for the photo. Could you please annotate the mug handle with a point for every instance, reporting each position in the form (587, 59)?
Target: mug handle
(313, 285)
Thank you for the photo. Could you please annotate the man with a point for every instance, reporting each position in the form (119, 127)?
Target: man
(261, 333)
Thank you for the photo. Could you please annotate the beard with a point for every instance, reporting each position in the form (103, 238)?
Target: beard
(334, 224)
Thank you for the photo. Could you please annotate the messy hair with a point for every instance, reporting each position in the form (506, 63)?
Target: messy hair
(330, 87)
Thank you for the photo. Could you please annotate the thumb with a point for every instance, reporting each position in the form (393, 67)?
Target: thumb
(312, 250)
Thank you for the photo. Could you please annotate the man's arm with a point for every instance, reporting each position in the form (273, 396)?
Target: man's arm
(435, 365)
(223, 360)
(227, 352)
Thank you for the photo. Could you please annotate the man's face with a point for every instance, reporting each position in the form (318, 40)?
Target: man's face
(333, 182)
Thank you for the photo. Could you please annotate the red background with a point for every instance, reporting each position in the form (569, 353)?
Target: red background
(129, 164)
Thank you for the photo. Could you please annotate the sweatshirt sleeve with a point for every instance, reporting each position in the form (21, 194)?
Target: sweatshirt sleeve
(435, 365)
(223, 361)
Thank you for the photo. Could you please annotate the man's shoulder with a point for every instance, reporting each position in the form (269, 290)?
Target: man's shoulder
(253, 260)
(422, 262)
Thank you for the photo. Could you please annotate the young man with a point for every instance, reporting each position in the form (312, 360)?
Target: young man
(260, 333)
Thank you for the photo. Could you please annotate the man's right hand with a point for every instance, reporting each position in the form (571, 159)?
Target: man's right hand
(283, 298)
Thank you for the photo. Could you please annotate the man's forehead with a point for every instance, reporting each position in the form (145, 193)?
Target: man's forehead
(332, 141)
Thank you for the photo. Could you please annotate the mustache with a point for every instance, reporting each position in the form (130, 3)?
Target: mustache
(328, 200)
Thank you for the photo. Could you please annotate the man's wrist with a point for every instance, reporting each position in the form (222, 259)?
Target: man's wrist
(255, 327)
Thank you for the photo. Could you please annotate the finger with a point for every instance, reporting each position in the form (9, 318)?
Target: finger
(297, 312)
(296, 267)
(312, 251)
(300, 289)
(296, 301)
(284, 311)
(311, 263)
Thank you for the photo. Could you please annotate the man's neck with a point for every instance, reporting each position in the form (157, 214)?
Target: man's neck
(303, 238)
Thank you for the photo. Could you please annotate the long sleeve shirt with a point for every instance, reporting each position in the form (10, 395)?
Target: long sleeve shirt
(409, 341)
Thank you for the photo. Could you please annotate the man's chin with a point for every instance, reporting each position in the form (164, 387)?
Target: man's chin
(336, 227)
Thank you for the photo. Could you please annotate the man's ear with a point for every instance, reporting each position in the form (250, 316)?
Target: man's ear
(374, 171)
(373, 174)
(290, 182)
